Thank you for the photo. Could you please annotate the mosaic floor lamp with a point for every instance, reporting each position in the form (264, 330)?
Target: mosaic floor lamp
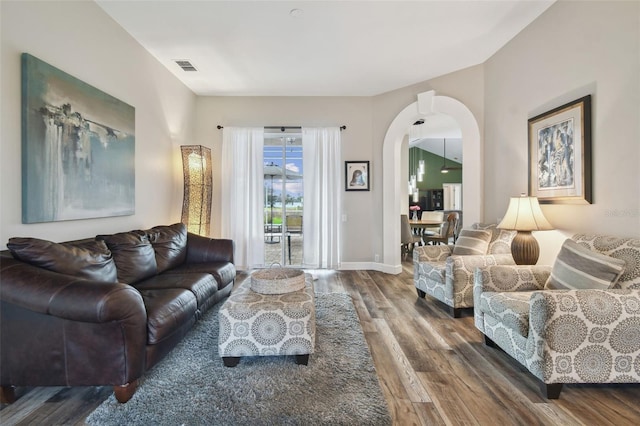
(198, 186)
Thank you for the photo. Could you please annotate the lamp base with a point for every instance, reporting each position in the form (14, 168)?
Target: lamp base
(525, 249)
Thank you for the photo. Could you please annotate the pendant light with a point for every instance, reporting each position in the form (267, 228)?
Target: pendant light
(412, 180)
(444, 169)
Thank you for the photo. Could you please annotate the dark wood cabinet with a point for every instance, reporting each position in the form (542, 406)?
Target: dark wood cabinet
(435, 199)
(432, 200)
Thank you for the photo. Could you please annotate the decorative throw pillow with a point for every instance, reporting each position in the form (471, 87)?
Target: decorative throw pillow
(169, 243)
(577, 267)
(91, 260)
(500, 242)
(472, 241)
(133, 254)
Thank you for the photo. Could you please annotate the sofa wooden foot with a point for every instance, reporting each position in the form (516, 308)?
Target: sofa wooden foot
(125, 392)
(302, 359)
(455, 312)
(551, 390)
(230, 361)
(7, 394)
(421, 293)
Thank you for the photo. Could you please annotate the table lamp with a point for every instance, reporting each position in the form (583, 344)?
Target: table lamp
(524, 215)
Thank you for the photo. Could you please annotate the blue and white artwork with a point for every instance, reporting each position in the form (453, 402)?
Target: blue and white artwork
(78, 148)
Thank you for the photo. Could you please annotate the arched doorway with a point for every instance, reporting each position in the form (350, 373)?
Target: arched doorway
(393, 202)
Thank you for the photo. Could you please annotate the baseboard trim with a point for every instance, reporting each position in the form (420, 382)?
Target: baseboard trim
(371, 266)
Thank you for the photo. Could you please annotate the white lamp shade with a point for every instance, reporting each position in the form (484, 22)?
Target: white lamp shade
(524, 214)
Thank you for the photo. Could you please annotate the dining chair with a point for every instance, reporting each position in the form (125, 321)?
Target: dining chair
(407, 238)
(293, 226)
(435, 216)
(447, 231)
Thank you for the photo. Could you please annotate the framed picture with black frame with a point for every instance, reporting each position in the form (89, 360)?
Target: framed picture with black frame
(560, 154)
(356, 176)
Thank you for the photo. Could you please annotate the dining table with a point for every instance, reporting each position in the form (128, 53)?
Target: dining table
(419, 226)
(426, 223)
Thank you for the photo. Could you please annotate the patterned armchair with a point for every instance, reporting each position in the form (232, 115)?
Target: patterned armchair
(560, 335)
(441, 272)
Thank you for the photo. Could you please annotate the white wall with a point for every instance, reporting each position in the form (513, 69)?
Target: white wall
(367, 120)
(465, 86)
(571, 50)
(82, 40)
(357, 144)
(574, 48)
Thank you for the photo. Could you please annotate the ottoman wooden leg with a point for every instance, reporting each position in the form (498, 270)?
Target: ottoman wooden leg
(230, 361)
(302, 359)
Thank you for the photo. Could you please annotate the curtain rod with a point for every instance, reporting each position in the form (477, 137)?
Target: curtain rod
(283, 128)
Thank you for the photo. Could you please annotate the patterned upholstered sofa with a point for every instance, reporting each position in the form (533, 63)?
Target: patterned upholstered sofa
(565, 336)
(442, 273)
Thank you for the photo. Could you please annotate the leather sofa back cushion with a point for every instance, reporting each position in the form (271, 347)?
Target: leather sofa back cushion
(169, 243)
(133, 254)
(91, 260)
(577, 267)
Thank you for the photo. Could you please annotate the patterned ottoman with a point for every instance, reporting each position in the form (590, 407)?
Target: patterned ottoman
(254, 324)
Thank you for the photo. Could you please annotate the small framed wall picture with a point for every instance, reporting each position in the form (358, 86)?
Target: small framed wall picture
(356, 175)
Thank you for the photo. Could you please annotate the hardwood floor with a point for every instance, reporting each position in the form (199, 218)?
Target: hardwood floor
(433, 369)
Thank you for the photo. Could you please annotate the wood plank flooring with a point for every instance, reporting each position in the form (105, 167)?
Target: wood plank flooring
(433, 369)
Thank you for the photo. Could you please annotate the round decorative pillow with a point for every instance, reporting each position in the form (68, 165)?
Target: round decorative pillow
(277, 280)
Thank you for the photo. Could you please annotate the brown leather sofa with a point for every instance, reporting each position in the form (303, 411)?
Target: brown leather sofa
(102, 311)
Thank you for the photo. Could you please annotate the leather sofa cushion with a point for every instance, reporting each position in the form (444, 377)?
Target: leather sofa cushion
(203, 286)
(223, 272)
(167, 311)
(169, 243)
(134, 256)
(89, 259)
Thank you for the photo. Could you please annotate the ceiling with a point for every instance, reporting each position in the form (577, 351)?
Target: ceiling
(319, 48)
(431, 136)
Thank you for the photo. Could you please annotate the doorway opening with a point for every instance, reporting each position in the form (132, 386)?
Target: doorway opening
(394, 198)
(283, 197)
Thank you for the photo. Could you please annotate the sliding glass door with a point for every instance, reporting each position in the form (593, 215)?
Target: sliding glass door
(283, 197)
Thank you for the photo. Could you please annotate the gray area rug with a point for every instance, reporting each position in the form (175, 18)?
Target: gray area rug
(191, 386)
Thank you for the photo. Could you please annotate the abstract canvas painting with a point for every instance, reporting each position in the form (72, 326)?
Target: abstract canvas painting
(78, 148)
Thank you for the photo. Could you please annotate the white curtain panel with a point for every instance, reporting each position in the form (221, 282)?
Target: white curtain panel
(322, 197)
(243, 194)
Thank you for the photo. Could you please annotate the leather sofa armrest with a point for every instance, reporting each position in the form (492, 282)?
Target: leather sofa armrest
(436, 253)
(67, 297)
(59, 330)
(204, 249)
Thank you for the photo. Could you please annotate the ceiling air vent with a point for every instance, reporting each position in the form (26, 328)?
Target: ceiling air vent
(185, 65)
